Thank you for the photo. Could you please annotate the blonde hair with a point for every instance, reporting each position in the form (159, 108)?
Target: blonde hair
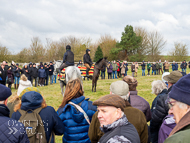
(158, 86)
(23, 77)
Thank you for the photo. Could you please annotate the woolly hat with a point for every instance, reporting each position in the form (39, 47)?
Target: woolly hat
(28, 89)
(111, 100)
(120, 88)
(181, 91)
(5, 92)
(173, 77)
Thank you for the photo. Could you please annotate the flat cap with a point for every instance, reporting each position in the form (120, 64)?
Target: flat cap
(111, 100)
(173, 77)
(5, 92)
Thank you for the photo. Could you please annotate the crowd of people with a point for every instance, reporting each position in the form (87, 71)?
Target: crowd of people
(120, 116)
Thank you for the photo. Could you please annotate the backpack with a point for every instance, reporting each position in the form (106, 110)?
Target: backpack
(34, 125)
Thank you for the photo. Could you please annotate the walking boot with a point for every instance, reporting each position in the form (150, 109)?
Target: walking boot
(15, 86)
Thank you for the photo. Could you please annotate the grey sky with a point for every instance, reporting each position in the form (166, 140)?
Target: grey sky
(20, 20)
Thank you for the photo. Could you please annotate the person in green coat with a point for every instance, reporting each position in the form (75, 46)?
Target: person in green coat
(179, 105)
(148, 68)
(114, 70)
(160, 67)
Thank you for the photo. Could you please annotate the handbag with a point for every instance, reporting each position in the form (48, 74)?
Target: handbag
(9, 80)
(81, 110)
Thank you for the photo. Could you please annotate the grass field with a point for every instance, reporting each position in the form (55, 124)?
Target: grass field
(53, 97)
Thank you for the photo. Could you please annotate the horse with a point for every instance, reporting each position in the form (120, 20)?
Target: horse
(99, 65)
(71, 73)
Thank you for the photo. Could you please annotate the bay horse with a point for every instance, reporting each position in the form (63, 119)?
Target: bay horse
(99, 65)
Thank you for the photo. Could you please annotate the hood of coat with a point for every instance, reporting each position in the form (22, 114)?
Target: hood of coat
(31, 100)
(87, 50)
(24, 83)
(4, 111)
(77, 116)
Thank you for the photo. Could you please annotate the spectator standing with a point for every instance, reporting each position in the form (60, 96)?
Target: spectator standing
(143, 68)
(3, 74)
(173, 66)
(109, 70)
(118, 69)
(114, 122)
(157, 67)
(148, 68)
(176, 66)
(153, 68)
(103, 72)
(25, 70)
(30, 67)
(164, 66)
(24, 83)
(115, 68)
(16, 70)
(184, 66)
(160, 67)
(10, 76)
(123, 69)
(11, 130)
(46, 67)
(167, 66)
(126, 68)
(34, 75)
(189, 64)
(42, 76)
(74, 121)
(51, 70)
(136, 68)
(54, 74)
(133, 69)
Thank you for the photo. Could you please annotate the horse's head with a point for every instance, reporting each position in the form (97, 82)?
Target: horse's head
(105, 61)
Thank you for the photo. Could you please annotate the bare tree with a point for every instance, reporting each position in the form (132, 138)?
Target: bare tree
(156, 45)
(179, 52)
(4, 53)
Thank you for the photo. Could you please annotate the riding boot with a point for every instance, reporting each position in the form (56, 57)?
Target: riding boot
(64, 82)
(15, 86)
(87, 71)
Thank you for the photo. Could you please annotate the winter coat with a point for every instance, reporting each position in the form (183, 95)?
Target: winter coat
(16, 71)
(126, 66)
(184, 65)
(153, 66)
(167, 66)
(68, 58)
(46, 71)
(41, 73)
(79, 64)
(109, 69)
(148, 66)
(173, 66)
(51, 67)
(51, 120)
(140, 103)
(27, 74)
(136, 67)
(143, 66)
(180, 133)
(135, 117)
(166, 128)
(87, 59)
(132, 67)
(34, 72)
(115, 66)
(3, 74)
(157, 66)
(119, 131)
(104, 69)
(30, 70)
(22, 85)
(119, 65)
(75, 125)
(123, 69)
(155, 126)
(10, 75)
(160, 65)
(11, 130)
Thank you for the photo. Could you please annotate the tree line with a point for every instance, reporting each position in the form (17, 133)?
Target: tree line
(136, 44)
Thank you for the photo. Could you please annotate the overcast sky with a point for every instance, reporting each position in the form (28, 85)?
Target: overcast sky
(20, 20)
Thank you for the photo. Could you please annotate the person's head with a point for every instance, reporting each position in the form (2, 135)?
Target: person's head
(156, 61)
(172, 78)
(158, 86)
(13, 63)
(42, 67)
(23, 77)
(34, 65)
(153, 62)
(184, 61)
(5, 92)
(4, 63)
(87, 51)
(45, 64)
(51, 63)
(110, 108)
(17, 65)
(179, 101)
(159, 61)
(174, 62)
(68, 47)
(30, 65)
(148, 61)
(114, 61)
(131, 81)
(25, 65)
(73, 90)
(120, 88)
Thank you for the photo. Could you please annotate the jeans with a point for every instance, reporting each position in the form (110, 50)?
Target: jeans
(125, 73)
(143, 72)
(154, 71)
(50, 78)
(184, 70)
(109, 76)
(54, 77)
(17, 80)
(148, 71)
(114, 73)
(46, 80)
(157, 72)
(103, 75)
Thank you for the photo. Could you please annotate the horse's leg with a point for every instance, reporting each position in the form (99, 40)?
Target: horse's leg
(95, 85)
(92, 84)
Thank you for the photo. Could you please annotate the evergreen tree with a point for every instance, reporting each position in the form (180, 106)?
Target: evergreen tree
(98, 54)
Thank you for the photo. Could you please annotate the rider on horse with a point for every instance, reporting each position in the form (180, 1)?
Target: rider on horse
(87, 61)
(68, 59)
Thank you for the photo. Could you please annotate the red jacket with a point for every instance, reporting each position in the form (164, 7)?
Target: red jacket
(118, 67)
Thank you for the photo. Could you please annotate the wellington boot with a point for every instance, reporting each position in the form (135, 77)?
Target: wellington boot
(15, 86)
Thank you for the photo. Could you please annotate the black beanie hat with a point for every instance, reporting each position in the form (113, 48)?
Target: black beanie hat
(180, 90)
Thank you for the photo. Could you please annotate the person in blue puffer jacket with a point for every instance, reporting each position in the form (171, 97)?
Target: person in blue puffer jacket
(75, 124)
(42, 75)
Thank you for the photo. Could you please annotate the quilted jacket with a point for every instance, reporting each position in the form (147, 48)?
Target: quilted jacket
(75, 125)
(11, 131)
